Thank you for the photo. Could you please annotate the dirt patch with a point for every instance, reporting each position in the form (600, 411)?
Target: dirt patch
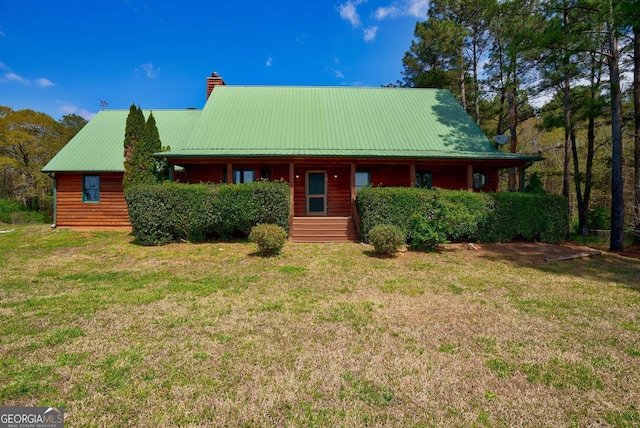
(528, 252)
(633, 252)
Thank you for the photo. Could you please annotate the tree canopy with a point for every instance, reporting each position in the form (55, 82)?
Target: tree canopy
(28, 140)
(569, 53)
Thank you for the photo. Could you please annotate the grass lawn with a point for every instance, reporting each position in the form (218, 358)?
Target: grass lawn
(322, 335)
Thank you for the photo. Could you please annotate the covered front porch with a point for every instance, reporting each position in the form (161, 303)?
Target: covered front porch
(326, 188)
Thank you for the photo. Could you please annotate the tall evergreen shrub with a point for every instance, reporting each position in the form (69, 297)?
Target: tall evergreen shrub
(142, 140)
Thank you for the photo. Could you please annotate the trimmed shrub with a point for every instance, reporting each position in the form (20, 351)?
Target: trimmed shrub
(533, 217)
(390, 205)
(462, 215)
(386, 239)
(171, 212)
(427, 234)
(269, 238)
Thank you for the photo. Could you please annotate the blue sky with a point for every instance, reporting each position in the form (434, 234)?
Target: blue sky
(65, 57)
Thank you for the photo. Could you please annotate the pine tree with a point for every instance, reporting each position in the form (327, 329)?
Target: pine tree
(133, 129)
(141, 140)
(153, 144)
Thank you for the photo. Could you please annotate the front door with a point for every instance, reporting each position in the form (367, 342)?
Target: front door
(316, 192)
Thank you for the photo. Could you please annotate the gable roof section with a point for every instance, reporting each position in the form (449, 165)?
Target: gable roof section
(99, 146)
(240, 121)
(336, 122)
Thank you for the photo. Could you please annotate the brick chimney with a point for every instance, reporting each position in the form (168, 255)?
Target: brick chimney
(213, 81)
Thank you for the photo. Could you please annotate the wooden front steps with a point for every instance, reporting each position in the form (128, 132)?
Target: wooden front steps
(323, 229)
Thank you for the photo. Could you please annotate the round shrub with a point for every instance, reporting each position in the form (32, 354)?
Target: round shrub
(386, 239)
(269, 238)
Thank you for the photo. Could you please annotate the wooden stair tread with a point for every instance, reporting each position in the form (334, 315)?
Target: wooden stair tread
(323, 229)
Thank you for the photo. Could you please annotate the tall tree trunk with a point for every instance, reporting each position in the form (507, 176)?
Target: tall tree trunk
(476, 85)
(463, 72)
(568, 128)
(566, 176)
(617, 199)
(636, 117)
(591, 138)
(503, 88)
(576, 179)
(513, 124)
(595, 76)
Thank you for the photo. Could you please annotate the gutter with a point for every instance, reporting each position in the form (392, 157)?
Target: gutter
(522, 175)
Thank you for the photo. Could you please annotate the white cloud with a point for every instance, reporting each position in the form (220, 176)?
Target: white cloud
(349, 13)
(2, 34)
(66, 108)
(414, 8)
(10, 77)
(386, 12)
(148, 70)
(370, 34)
(339, 74)
(13, 77)
(301, 38)
(44, 83)
(269, 62)
(418, 8)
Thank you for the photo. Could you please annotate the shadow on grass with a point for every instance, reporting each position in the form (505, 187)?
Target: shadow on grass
(607, 267)
(371, 253)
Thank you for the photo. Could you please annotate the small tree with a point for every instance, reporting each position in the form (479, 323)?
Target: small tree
(141, 141)
(534, 185)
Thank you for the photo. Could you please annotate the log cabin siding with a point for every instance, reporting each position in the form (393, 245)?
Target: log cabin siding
(110, 212)
(204, 173)
(388, 175)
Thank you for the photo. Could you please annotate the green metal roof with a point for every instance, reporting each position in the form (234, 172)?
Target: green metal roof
(274, 121)
(98, 147)
(336, 122)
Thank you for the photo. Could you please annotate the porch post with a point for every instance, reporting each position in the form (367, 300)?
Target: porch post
(354, 210)
(291, 192)
(229, 173)
(412, 175)
(470, 178)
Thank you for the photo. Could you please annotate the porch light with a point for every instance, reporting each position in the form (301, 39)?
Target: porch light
(297, 176)
(335, 175)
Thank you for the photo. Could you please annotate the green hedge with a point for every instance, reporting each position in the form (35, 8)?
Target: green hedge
(194, 212)
(533, 217)
(487, 217)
